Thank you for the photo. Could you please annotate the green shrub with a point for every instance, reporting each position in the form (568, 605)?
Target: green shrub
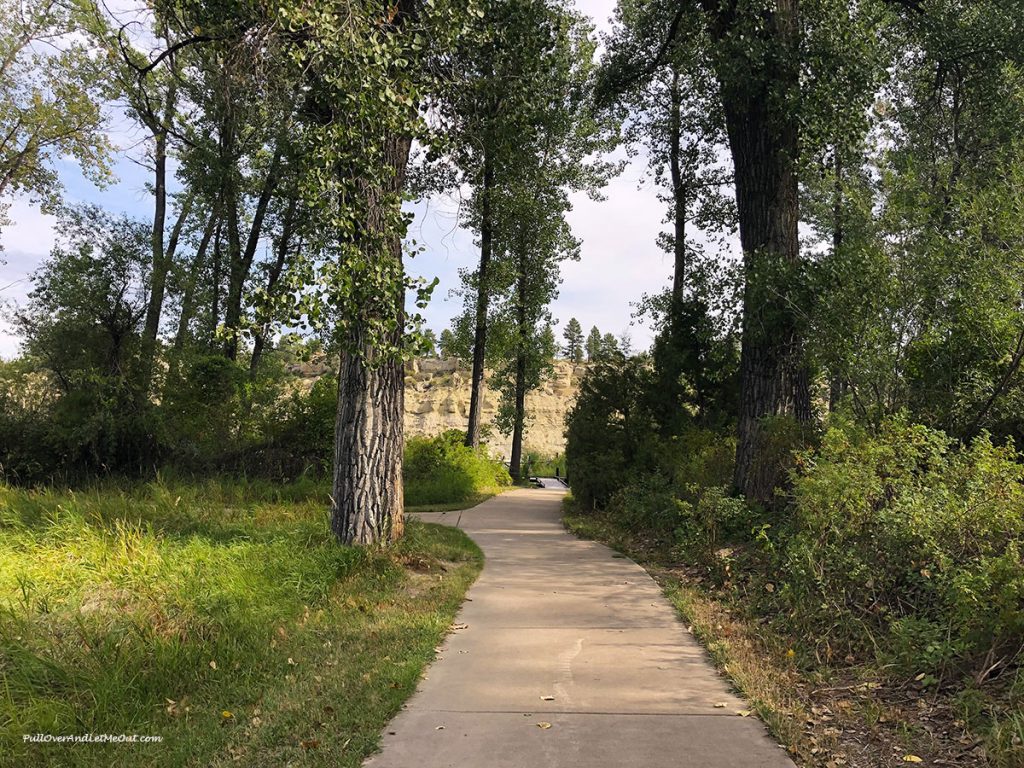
(537, 464)
(649, 504)
(441, 470)
(906, 542)
(609, 431)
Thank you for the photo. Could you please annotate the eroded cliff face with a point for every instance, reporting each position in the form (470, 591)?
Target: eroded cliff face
(437, 399)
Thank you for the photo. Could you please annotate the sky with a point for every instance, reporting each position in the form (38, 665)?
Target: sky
(620, 260)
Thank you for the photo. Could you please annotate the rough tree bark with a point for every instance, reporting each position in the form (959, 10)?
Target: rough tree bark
(763, 130)
(367, 494)
(482, 305)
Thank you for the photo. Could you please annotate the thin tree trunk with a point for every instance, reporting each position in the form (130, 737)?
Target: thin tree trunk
(1004, 383)
(519, 419)
(232, 298)
(482, 306)
(678, 194)
(837, 384)
(672, 348)
(161, 257)
(216, 278)
(188, 301)
(273, 276)
(368, 496)
(241, 260)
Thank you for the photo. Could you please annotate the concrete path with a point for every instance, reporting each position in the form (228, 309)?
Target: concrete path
(567, 655)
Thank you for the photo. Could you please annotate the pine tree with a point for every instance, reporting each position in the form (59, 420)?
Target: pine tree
(609, 346)
(593, 344)
(573, 336)
(447, 344)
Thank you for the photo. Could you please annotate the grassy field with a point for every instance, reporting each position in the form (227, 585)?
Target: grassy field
(221, 618)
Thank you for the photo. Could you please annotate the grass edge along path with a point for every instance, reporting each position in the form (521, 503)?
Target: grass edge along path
(234, 628)
(822, 722)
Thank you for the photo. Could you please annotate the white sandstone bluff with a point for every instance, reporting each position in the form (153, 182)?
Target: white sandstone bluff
(437, 399)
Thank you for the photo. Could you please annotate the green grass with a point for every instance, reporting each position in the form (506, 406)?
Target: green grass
(452, 506)
(222, 617)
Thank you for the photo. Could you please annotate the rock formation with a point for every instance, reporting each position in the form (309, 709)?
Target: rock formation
(437, 399)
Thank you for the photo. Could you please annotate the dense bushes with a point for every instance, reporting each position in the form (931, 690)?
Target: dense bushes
(906, 542)
(894, 543)
(213, 417)
(442, 470)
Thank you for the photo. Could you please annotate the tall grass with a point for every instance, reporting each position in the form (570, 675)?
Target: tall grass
(182, 610)
(441, 470)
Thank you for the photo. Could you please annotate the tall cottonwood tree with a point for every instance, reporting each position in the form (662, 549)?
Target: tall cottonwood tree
(675, 115)
(773, 61)
(539, 239)
(497, 105)
(365, 68)
(547, 52)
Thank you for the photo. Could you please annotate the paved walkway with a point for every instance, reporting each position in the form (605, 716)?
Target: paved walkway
(567, 655)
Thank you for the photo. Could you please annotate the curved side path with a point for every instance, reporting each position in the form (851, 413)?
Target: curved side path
(567, 655)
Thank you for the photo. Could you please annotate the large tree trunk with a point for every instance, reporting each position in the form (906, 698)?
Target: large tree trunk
(763, 129)
(482, 306)
(367, 498)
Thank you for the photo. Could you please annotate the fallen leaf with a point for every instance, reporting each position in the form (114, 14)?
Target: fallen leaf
(912, 759)
(743, 712)
(213, 664)
(720, 705)
(544, 726)
(547, 698)
(439, 728)
(227, 715)
(310, 743)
